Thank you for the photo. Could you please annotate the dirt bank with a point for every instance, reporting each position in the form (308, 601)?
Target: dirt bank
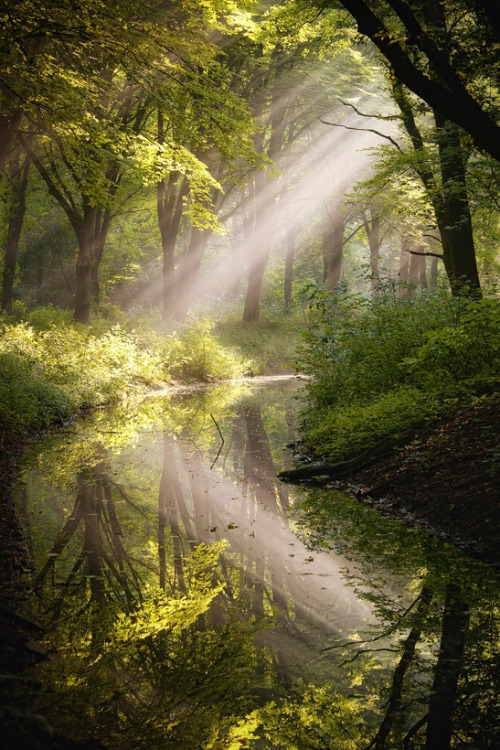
(447, 479)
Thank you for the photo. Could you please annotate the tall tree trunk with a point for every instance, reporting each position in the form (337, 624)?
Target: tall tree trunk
(372, 229)
(433, 276)
(262, 235)
(18, 181)
(102, 223)
(449, 199)
(333, 245)
(416, 273)
(456, 230)
(254, 291)
(40, 298)
(404, 267)
(169, 204)
(289, 262)
(190, 270)
(444, 689)
(84, 264)
(11, 115)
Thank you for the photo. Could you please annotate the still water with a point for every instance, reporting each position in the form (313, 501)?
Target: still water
(191, 600)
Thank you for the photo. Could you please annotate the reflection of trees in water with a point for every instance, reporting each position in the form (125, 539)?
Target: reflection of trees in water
(189, 511)
(427, 673)
(425, 678)
(130, 664)
(411, 707)
(439, 690)
(102, 563)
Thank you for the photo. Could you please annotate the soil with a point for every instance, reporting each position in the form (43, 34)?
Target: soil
(447, 479)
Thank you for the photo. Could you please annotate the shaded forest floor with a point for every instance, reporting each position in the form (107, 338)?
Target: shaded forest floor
(447, 479)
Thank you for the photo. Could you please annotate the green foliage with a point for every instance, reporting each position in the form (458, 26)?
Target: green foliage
(322, 717)
(393, 363)
(144, 674)
(355, 428)
(50, 367)
(266, 346)
(195, 354)
(27, 401)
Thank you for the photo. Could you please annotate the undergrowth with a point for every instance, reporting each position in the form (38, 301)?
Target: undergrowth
(50, 368)
(388, 365)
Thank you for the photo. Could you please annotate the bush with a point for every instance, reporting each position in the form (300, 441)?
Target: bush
(27, 401)
(391, 364)
(50, 367)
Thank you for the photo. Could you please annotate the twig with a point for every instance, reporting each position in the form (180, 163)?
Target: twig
(365, 114)
(365, 130)
(426, 254)
(222, 443)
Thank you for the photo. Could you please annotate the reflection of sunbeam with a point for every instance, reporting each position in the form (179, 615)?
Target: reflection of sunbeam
(263, 545)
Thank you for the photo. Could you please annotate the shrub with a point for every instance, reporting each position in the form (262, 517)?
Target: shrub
(387, 364)
(50, 367)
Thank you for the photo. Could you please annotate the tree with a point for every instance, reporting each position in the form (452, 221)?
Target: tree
(15, 198)
(445, 52)
(52, 56)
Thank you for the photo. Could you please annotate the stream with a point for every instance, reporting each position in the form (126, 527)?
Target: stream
(190, 600)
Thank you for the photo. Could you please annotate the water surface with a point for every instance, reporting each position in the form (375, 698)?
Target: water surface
(192, 600)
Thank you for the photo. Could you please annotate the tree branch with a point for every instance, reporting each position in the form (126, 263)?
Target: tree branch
(425, 254)
(444, 91)
(365, 130)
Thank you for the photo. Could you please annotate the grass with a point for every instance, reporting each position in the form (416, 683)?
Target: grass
(51, 368)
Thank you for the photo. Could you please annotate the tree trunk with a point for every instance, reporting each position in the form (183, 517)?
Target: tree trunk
(449, 199)
(254, 291)
(333, 245)
(444, 689)
(190, 270)
(40, 299)
(262, 234)
(289, 261)
(433, 274)
(404, 267)
(18, 179)
(11, 115)
(103, 220)
(84, 264)
(456, 229)
(373, 235)
(416, 271)
(169, 204)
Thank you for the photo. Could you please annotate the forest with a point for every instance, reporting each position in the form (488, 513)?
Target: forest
(199, 197)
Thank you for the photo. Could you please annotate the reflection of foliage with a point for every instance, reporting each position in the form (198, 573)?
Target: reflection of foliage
(168, 665)
(148, 664)
(142, 676)
(435, 639)
(54, 370)
(322, 718)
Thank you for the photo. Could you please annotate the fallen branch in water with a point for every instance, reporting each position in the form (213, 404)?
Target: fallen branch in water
(335, 470)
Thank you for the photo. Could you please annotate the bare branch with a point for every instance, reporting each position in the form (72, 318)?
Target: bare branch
(222, 443)
(425, 254)
(365, 130)
(365, 114)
